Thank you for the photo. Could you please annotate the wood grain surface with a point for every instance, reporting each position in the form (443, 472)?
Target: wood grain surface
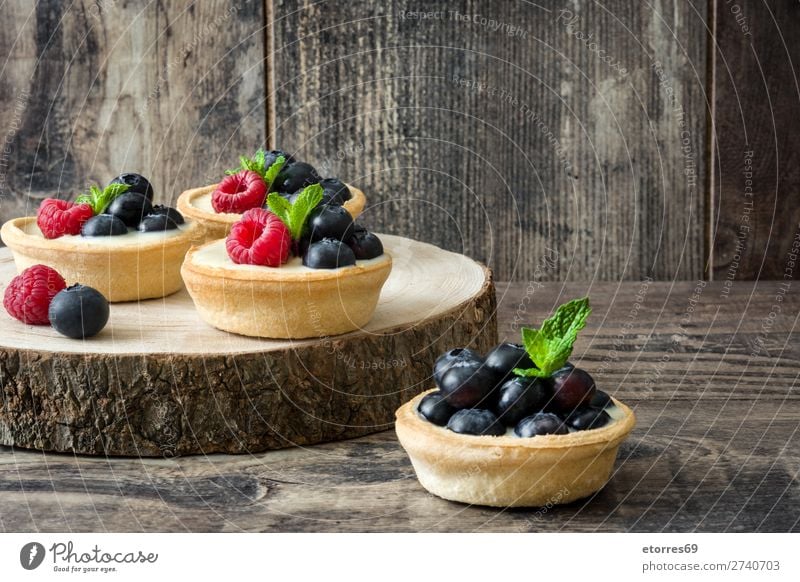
(514, 132)
(91, 89)
(755, 178)
(158, 381)
(715, 447)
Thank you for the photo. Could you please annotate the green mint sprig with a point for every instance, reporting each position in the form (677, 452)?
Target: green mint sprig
(294, 215)
(551, 346)
(258, 165)
(100, 199)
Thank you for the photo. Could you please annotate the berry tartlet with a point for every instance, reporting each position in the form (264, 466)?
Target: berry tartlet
(299, 269)
(113, 240)
(521, 427)
(218, 206)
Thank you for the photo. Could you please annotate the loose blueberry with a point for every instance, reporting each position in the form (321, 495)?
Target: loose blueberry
(330, 222)
(173, 214)
(103, 225)
(136, 183)
(601, 400)
(539, 424)
(467, 386)
(520, 397)
(328, 253)
(156, 223)
(505, 357)
(294, 177)
(571, 387)
(79, 312)
(588, 418)
(365, 244)
(435, 409)
(476, 421)
(455, 357)
(334, 192)
(130, 207)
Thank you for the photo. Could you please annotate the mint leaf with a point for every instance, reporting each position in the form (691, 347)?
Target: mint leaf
(295, 216)
(257, 164)
(99, 199)
(272, 173)
(551, 346)
(279, 206)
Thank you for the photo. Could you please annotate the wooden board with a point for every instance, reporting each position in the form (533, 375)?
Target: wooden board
(715, 449)
(755, 216)
(159, 381)
(494, 130)
(91, 89)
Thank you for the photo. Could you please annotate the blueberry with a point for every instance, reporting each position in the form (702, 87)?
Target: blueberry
(505, 357)
(435, 409)
(365, 245)
(520, 397)
(174, 215)
(334, 192)
(79, 312)
(328, 253)
(294, 177)
(130, 207)
(601, 400)
(136, 183)
(156, 223)
(587, 418)
(572, 387)
(455, 357)
(539, 424)
(270, 157)
(476, 421)
(468, 385)
(103, 225)
(330, 222)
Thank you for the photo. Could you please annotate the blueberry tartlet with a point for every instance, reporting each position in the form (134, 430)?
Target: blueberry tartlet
(218, 206)
(299, 268)
(521, 427)
(112, 239)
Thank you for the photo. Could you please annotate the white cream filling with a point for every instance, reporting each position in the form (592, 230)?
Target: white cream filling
(216, 255)
(204, 203)
(134, 237)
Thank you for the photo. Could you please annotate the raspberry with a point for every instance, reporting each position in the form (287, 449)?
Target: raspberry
(239, 192)
(29, 294)
(259, 238)
(59, 217)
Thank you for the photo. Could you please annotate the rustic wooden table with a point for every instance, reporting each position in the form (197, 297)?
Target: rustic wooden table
(711, 371)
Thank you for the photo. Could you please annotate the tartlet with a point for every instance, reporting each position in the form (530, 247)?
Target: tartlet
(196, 205)
(510, 471)
(123, 268)
(286, 302)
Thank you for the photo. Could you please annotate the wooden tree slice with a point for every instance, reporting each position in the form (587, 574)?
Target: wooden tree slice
(158, 381)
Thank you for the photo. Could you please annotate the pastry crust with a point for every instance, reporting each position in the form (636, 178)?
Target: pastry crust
(508, 471)
(145, 270)
(217, 225)
(271, 303)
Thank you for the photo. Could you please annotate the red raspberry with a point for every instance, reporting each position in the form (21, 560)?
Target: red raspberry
(259, 238)
(29, 294)
(239, 192)
(59, 217)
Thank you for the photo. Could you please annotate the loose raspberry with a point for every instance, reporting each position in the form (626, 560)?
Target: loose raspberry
(239, 192)
(29, 294)
(59, 217)
(259, 238)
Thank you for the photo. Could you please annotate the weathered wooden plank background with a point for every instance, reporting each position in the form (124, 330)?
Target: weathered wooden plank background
(553, 140)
